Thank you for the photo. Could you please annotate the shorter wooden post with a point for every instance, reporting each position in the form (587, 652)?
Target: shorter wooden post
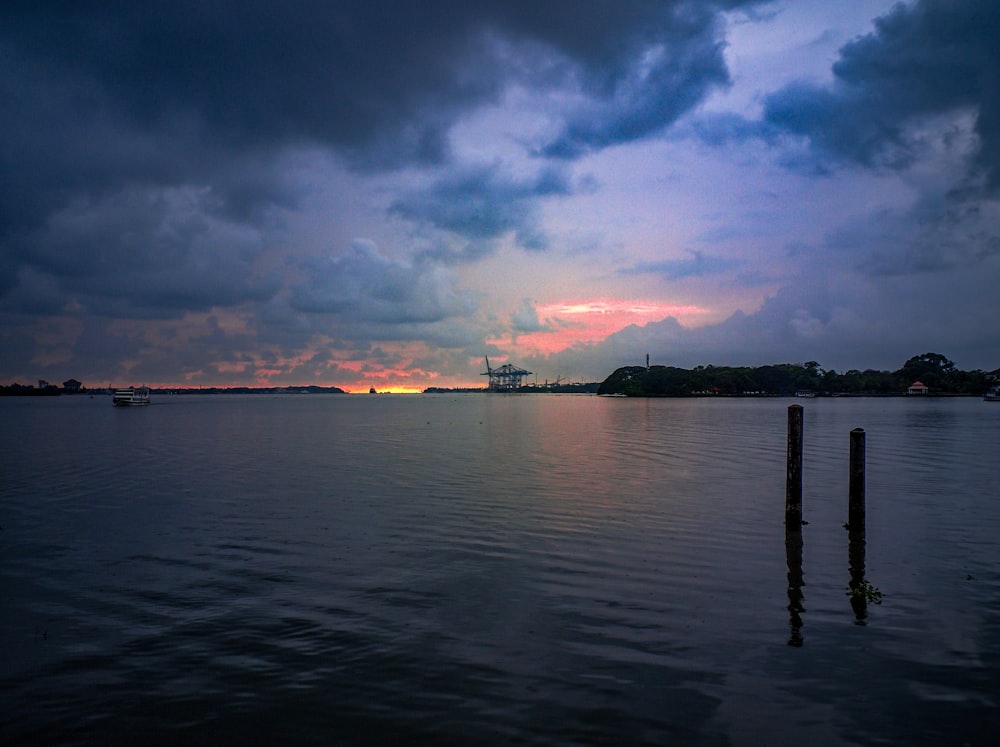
(793, 477)
(856, 488)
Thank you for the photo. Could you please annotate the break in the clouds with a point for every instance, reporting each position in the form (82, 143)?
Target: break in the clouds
(343, 192)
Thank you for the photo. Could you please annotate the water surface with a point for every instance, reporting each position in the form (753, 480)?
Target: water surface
(455, 569)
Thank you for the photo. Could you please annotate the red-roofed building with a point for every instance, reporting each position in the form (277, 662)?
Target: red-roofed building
(918, 388)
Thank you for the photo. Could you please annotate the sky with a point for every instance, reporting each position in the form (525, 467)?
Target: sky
(382, 193)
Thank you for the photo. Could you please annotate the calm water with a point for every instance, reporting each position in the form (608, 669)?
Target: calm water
(471, 569)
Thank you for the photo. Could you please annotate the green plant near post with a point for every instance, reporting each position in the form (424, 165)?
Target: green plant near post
(866, 591)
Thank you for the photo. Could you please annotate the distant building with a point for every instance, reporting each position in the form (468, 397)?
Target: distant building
(72, 385)
(917, 388)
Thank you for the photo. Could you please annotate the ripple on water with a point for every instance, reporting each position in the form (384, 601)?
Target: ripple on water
(537, 570)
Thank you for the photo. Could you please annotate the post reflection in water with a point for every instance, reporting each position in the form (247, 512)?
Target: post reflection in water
(857, 586)
(793, 556)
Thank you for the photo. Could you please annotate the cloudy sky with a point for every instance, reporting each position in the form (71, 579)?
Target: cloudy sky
(380, 193)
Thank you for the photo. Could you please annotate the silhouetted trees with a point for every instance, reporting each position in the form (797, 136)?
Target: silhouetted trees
(933, 369)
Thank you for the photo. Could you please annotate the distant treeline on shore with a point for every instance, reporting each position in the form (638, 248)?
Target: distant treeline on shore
(28, 390)
(933, 370)
(21, 390)
(310, 389)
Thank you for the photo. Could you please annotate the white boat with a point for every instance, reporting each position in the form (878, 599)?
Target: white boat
(992, 394)
(131, 397)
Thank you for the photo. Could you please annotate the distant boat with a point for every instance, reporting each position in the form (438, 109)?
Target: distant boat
(805, 393)
(131, 397)
(992, 394)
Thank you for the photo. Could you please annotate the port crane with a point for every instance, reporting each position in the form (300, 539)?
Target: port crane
(506, 378)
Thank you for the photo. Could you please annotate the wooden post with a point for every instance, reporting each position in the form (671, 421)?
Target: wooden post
(793, 477)
(856, 489)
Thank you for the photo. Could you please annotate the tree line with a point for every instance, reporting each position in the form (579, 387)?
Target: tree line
(933, 369)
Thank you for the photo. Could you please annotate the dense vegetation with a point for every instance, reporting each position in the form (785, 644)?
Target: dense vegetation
(933, 369)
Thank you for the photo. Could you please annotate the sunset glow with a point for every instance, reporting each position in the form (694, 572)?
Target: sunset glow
(567, 324)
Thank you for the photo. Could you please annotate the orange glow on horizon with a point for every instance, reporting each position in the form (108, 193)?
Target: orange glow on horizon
(387, 390)
(411, 367)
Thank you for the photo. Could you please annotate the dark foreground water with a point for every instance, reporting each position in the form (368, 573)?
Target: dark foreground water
(475, 569)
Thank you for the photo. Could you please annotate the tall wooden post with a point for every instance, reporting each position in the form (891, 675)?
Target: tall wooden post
(793, 478)
(856, 486)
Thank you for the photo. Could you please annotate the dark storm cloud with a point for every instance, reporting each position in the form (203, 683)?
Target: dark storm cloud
(935, 236)
(931, 58)
(365, 286)
(138, 253)
(255, 73)
(672, 70)
(482, 202)
(357, 75)
(102, 97)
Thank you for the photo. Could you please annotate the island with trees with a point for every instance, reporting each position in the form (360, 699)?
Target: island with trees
(934, 370)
